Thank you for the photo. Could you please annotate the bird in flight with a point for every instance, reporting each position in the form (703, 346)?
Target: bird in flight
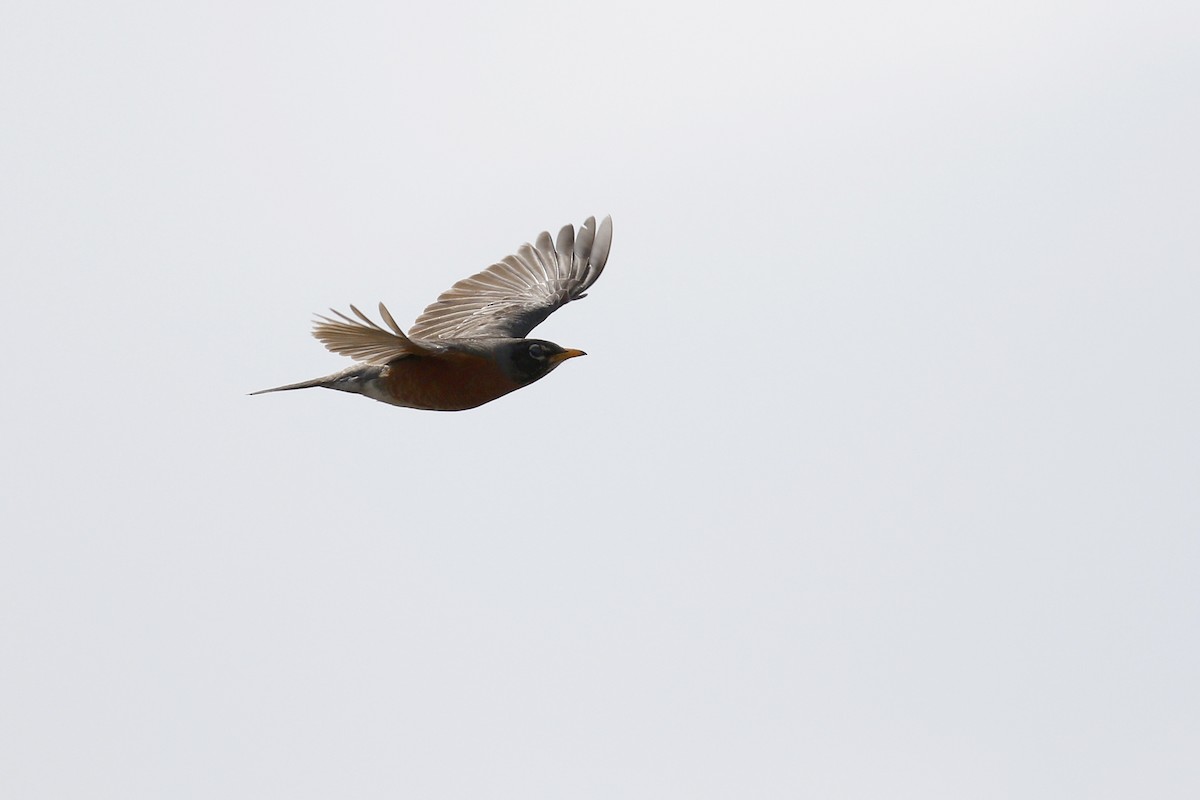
(469, 347)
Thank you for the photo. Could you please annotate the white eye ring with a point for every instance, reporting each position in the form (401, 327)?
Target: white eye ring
(537, 351)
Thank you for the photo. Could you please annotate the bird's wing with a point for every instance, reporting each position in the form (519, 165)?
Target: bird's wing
(363, 340)
(512, 297)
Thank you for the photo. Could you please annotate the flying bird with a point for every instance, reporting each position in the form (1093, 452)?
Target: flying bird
(469, 347)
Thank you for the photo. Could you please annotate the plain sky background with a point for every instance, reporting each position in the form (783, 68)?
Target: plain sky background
(880, 479)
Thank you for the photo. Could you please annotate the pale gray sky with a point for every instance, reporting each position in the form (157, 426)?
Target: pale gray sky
(880, 479)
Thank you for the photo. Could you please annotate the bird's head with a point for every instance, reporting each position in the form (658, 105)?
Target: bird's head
(526, 360)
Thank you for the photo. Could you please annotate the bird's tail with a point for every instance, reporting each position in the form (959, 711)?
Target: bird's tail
(352, 380)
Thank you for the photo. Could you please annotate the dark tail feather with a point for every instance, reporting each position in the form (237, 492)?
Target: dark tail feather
(348, 380)
(290, 386)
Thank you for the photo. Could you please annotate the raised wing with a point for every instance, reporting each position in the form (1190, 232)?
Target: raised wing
(512, 297)
(363, 340)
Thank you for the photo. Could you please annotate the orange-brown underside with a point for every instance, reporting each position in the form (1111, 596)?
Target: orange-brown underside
(448, 382)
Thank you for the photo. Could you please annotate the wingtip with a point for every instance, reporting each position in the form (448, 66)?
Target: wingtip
(601, 244)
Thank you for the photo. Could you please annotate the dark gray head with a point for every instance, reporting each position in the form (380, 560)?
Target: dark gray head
(526, 360)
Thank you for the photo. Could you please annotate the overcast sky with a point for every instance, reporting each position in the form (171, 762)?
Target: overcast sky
(879, 479)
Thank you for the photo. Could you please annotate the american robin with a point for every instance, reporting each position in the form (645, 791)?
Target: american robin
(469, 347)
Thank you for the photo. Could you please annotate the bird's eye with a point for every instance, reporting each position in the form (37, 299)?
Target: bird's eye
(537, 351)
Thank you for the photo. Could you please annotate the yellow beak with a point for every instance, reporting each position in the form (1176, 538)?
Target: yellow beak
(564, 355)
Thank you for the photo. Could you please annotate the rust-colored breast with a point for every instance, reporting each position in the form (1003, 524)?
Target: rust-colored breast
(447, 382)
